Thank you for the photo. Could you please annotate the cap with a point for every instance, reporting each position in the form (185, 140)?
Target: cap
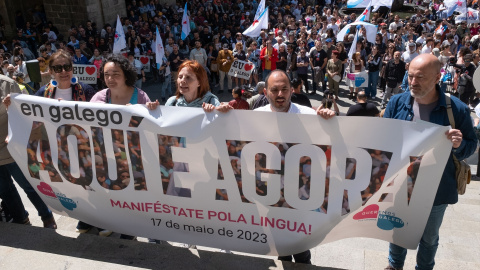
(271, 33)
(180, 10)
(225, 45)
(328, 40)
(436, 52)
(411, 44)
(468, 57)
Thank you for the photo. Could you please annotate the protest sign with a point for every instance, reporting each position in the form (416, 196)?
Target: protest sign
(241, 69)
(359, 79)
(230, 180)
(85, 73)
(145, 60)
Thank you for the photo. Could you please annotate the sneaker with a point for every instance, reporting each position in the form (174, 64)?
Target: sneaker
(188, 246)
(50, 223)
(83, 227)
(155, 241)
(128, 237)
(393, 268)
(104, 233)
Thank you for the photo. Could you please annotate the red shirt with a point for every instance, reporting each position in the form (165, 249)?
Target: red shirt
(239, 104)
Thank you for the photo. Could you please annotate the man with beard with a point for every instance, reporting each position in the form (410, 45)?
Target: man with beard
(394, 73)
(175, 59)
(199, 54)
(278, 90)
(426, 102)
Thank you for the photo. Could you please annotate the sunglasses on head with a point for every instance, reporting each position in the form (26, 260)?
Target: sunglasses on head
(59, 68)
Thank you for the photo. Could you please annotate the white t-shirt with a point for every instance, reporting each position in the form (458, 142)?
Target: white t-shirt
(294, 108)
(65, 94)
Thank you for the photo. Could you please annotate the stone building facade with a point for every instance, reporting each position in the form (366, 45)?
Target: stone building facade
(64, 13)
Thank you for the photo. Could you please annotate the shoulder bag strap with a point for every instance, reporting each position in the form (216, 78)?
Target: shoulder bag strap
(449, 110)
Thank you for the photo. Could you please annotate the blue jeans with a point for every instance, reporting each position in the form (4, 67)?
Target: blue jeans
(427, 248)
(371, 90)
(17, 174)
(10, 197)
(265, 74)
(166, 87)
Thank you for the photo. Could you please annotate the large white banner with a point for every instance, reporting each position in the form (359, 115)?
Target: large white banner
(257, 182)
(241, 69)
(85, 73)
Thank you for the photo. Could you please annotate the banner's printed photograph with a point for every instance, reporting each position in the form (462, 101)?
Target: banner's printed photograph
(256, 182)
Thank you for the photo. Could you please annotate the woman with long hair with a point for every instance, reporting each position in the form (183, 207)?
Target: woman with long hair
(373, 66)
(356, 65)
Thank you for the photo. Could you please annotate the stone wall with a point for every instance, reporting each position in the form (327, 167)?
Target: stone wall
(64, 13)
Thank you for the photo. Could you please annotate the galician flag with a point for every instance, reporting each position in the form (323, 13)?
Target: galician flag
(354, 46)
(185, 23)
(257, 25)
(159, 50)
(455, 5)
(260, 9)
(365, 16)
(119, 43)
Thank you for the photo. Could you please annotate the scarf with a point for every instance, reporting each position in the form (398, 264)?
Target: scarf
(77, 92)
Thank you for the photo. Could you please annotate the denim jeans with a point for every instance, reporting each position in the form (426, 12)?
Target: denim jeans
(166, 87)
(371, 90)
(10, 196)
(427, 248)
(266, 72)
(32, 195)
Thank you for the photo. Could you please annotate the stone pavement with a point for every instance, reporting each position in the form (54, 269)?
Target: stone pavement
(32, 247)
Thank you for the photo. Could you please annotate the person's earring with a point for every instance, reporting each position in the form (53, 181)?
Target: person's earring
(74, 80)
(54, 83)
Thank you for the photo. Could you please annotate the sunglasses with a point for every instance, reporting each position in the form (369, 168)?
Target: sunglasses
(59, 68)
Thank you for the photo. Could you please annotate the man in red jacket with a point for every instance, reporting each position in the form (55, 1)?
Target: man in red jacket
(269, 57)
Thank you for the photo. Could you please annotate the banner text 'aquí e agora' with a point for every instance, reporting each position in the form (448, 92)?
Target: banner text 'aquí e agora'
(257, 182)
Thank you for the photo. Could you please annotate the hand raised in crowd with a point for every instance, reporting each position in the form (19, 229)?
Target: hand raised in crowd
(224, 107)
(152, 105)
(6, 101)
(455, 136)
(208, 107)
(326, 113)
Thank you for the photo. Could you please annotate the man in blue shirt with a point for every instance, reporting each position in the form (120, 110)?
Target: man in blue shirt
(426, 102)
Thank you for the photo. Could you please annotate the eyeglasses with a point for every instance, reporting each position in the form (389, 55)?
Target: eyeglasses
(59, 68)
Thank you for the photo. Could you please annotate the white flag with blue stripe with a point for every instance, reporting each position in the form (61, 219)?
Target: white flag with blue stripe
(257, 25)
(185, 23)
(159, 50)
(119, 43)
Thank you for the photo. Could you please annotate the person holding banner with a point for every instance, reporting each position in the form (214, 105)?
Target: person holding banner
(120, 77)
(427, 102)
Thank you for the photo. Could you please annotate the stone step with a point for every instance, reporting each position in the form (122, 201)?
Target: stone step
(459, 245)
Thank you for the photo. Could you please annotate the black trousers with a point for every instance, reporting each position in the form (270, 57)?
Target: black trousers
(302, 257)
(304, 78)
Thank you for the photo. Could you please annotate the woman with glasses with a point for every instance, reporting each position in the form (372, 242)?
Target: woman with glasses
(64, 86)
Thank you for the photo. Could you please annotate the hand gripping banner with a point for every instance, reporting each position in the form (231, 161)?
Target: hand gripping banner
(257, 182)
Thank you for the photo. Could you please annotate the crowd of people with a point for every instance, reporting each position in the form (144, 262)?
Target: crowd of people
(298, 51)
